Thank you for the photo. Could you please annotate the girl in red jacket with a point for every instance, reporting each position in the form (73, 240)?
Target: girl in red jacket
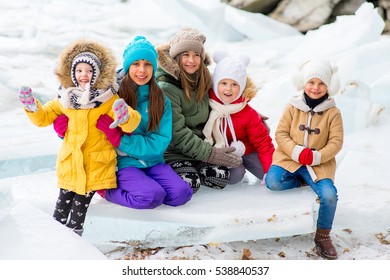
(233, 122)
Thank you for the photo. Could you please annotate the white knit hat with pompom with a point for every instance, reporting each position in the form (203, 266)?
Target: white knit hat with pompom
(317, 68)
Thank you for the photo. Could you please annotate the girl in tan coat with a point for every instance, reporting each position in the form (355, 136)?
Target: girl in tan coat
(309, 135)
(86, 161)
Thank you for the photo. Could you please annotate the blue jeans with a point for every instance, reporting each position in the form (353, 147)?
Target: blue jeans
(279, 179)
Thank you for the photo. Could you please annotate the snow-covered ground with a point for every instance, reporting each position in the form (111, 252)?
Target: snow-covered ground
(33, 32)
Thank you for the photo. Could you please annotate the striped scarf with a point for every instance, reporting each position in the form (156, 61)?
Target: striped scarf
(77, 98)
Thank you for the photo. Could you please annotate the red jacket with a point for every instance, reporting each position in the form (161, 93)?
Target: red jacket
(250, 129)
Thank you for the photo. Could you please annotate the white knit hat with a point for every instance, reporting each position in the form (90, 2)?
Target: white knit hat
(230, 67)
(317, 68)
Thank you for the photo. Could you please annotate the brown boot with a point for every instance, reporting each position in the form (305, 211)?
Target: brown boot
(324, 244)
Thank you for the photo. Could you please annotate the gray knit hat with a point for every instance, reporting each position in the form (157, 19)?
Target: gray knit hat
(188, 39)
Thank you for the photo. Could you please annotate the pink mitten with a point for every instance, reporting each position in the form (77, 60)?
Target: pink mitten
(26, 97)
(121, 112)
(113, 134)
(60, 125)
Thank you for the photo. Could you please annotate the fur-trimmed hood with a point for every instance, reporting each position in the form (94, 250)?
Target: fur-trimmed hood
(250, 90)
(169, 65)
(248, 94)
(105, 55)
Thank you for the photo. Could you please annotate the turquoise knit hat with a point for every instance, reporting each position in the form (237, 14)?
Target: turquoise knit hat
(140, 48)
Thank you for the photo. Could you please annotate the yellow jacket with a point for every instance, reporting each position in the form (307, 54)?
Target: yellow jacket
(86, 160)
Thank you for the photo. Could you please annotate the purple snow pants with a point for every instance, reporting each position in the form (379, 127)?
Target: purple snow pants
(150, 187)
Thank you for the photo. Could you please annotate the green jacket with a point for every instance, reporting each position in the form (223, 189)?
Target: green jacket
(188, 116)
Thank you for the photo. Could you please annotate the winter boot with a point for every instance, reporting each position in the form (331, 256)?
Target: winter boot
(324, 244)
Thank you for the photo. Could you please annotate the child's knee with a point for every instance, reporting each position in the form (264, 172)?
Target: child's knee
(181, 196)
(329, 198)
(272, 183)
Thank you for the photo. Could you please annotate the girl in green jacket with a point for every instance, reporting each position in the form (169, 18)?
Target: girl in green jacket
(184, 78)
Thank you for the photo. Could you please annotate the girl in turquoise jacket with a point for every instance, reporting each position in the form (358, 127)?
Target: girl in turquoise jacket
(144, 179)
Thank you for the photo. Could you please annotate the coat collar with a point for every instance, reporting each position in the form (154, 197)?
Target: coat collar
(143, 93)
(298, 102)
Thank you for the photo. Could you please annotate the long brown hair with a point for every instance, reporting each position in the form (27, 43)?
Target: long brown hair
(127, 91)
(199, 81)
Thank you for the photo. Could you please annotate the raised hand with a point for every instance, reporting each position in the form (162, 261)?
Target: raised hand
(26, 97)
(121, 112)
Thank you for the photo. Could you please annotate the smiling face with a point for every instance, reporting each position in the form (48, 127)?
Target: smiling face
(315, 88)
(190, 61)
(228, 90)
(141, 71)
(83, 74)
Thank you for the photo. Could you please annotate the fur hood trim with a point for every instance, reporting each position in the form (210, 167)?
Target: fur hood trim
(105, 55)
(169, 65)
(250, 90)
(248, 94)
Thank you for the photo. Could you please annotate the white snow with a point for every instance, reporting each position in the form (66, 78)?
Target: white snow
(243, 216)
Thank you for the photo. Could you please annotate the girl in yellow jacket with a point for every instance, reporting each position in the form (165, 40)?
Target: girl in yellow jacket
(309, 135)
(86, 161)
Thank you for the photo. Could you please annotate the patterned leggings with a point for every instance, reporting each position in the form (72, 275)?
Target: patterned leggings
(75, 204)
(198, 172)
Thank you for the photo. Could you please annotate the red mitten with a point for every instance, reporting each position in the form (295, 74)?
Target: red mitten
(60, 125)
(113, 134)
(306, 157)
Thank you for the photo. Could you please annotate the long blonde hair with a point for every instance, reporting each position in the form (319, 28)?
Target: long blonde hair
(200, 81)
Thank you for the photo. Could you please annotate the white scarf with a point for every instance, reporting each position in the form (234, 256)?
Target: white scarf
(216, 127)
(77, 98)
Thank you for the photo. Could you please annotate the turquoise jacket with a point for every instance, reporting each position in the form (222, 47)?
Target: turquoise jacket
(146, 148)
